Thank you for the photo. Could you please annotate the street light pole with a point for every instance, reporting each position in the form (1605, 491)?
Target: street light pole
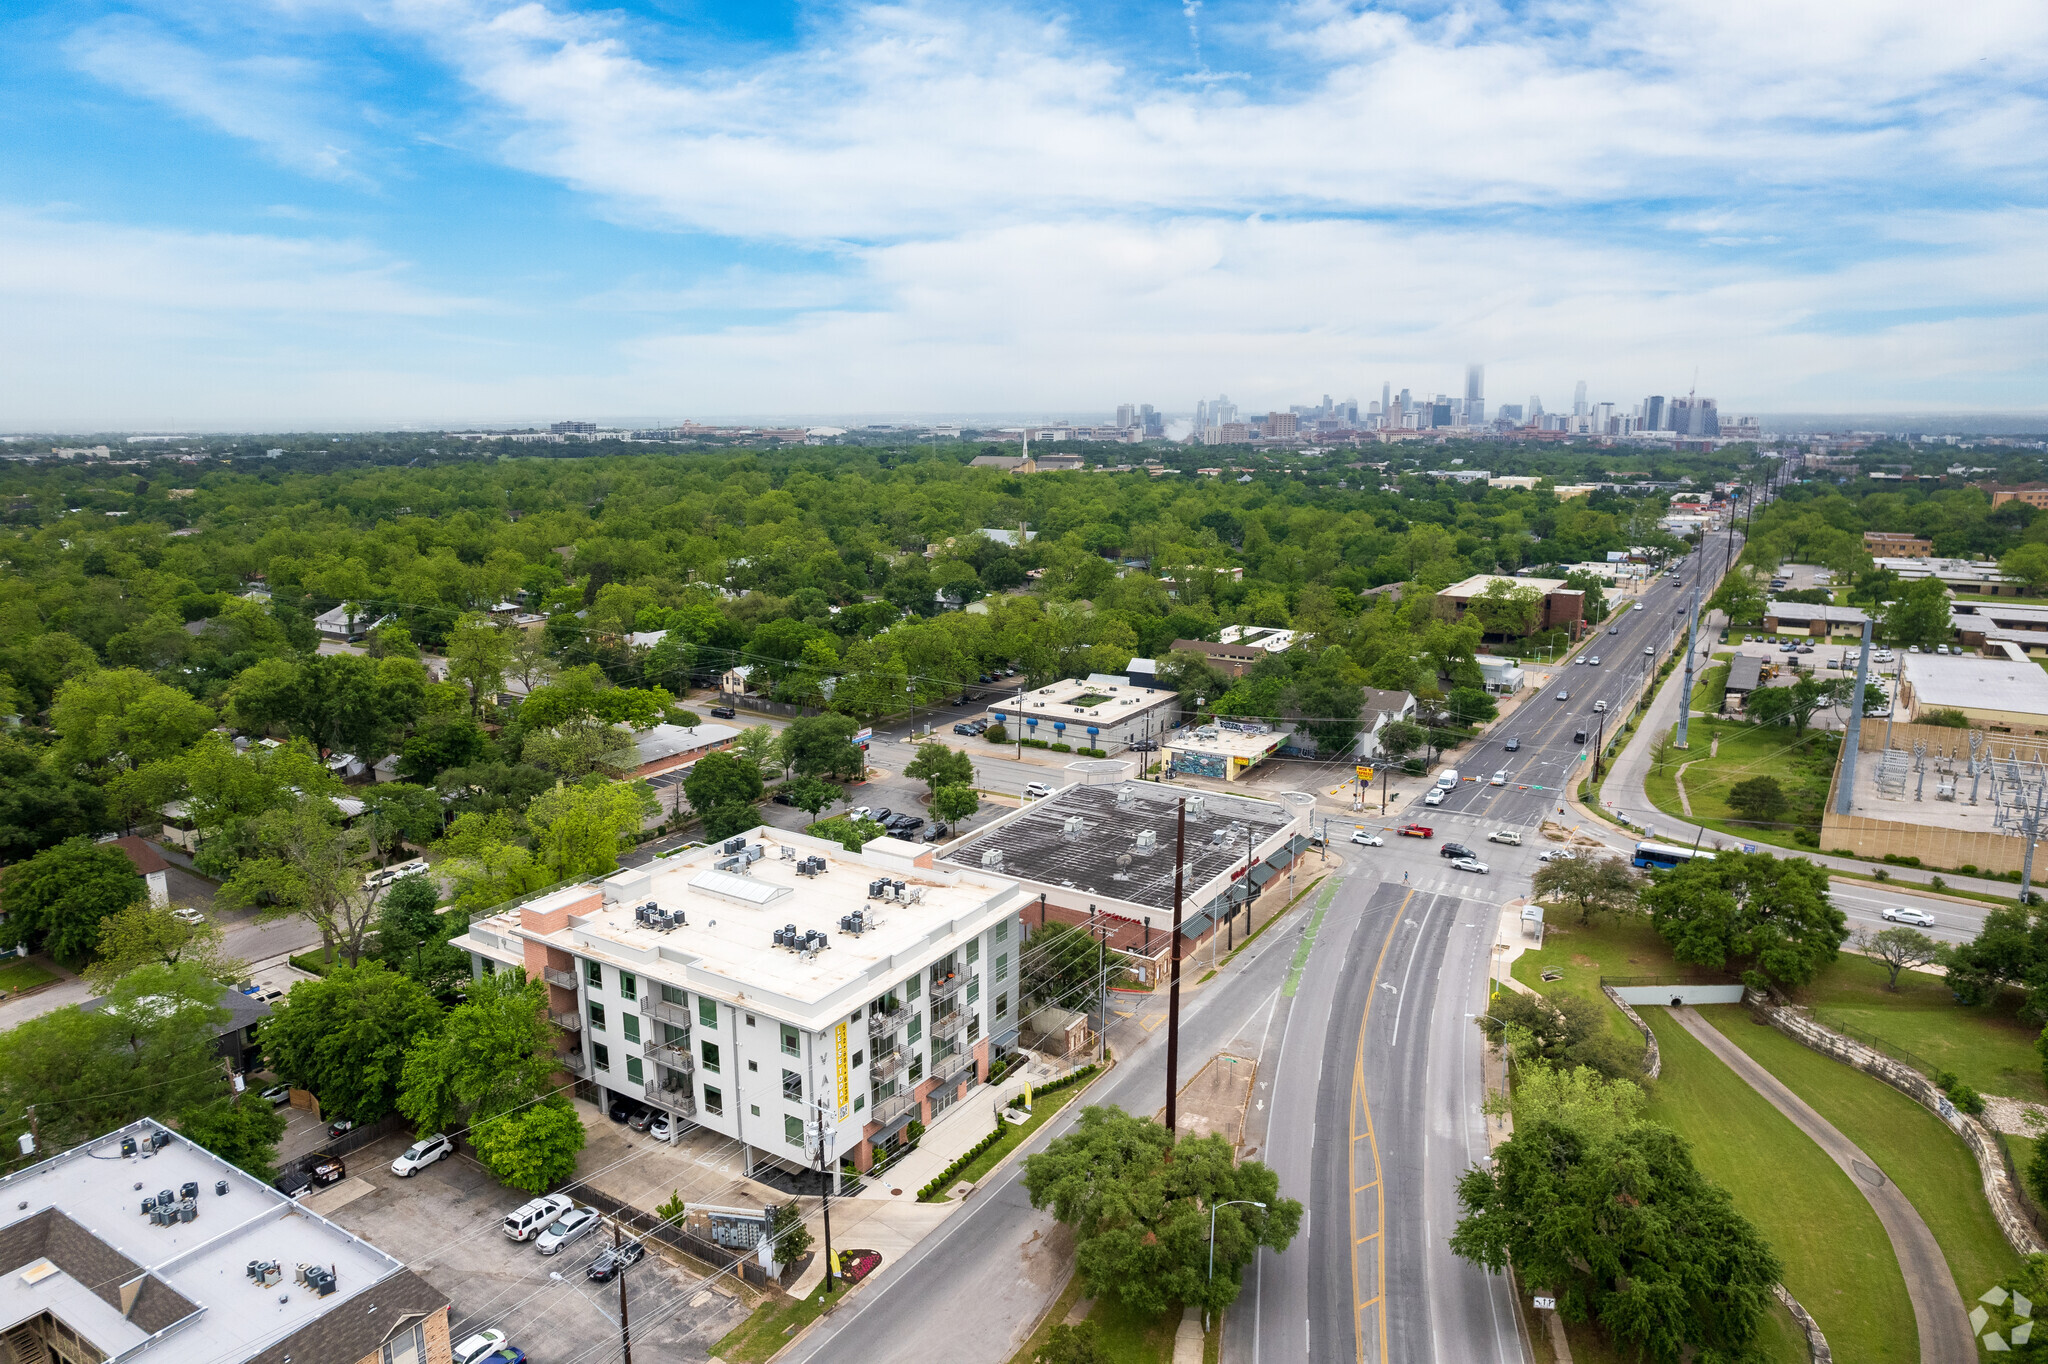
(1212, 1242)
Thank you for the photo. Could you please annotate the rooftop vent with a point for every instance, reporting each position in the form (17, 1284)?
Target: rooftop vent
(1148, 839)
(1072, 826)
(788, 853)
(733, 845)
(1197, 806)
(992, 859)
(1124, 796)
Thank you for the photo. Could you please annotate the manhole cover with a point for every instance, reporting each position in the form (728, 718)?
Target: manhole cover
(1869, 1174)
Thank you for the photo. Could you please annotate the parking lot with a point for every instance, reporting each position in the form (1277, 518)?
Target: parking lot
(445, 1224)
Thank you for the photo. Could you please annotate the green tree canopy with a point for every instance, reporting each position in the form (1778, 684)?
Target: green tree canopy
(1768, 917)
(820, 746)
(955, 803)
(493, 1054)
(1759, 798)
(1626, 1232)
(721, 778)
(1565, 1029)
(143, 934)
(1141, 1204)
(345, 1037)
(57, 900)
(1593, 885)
(532, 1148)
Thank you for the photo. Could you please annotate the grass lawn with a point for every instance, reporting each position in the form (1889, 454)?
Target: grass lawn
(23, 975)
(1041, 1114)
(1838, 1262)
(2020, 1150)
(1782, 1341)
(1127, 1337)
(1584, 954)
(773, 1325)
(1802, 767)
(1928, 1162)
(1710, 688)
(1989, 1048)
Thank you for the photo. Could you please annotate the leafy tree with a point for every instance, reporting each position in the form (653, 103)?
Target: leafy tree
(820, 746)
(722, 778)
(580, 830)
(413, 935)
(454, 741)
(532, 1148)
(1141, 1204)
(954, 804)
(849, 833)
(1076, 1343)
(727, 818)
(1565, 1029)
(1899, 948)
(1759, 798)
(345, 1037)
(810, 795)
(41, 807)
(1471, 706)
(147, 1049)
(1399, 738)
(122, 717)
(2010, 950)
(57, 899)
(144, 935)
(488, 863)
(937, 765)
(1506, 607)
(1592, 1106)
(478, 654)
(306, 862)
(1918, 615)
(1597, 885)
(786, 1229)
(2029, 564)
(1740, 597)
(488, 788)
(243, 1131)
(582, 747)
(1767, 916)
(493, 1054)
(1795, 705)
(1626, 1232)
(756, 744)
(1060, 964)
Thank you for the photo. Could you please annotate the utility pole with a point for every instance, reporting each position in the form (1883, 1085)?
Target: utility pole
(825, 1133)
(1692, 644)
(1854, 736)
(1599, 742)
(1180, 862)
(625, 1330)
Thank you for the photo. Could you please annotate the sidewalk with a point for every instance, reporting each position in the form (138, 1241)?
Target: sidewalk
(1624, 799)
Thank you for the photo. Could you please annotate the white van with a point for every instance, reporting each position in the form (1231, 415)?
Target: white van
(1447, 779)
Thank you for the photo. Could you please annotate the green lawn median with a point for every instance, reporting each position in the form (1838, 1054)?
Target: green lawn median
(1838, 1261)
(1802, 766)
(1916, 1150)
(1921, 1024)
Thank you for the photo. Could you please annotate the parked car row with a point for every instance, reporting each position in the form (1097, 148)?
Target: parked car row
(973, 727)
(556, 1220)
(897, 823)
(641, 1118)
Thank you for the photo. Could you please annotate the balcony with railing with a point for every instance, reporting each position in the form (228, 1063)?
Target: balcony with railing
(885, 1065)
(886, 1022)
(676, 1054)
(895, 1106)
(671, 1090)
(571, 1061)
(652, 1006)
(567, 1022)
(565, 979)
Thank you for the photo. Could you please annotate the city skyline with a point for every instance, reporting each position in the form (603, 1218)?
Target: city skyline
(314, 216)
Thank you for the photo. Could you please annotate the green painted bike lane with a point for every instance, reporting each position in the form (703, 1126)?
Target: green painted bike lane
(1308, 938)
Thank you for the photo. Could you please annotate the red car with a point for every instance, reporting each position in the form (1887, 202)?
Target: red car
(1416, 831)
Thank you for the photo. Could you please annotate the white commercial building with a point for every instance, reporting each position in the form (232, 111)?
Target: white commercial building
(754, 986)
(1107, 711)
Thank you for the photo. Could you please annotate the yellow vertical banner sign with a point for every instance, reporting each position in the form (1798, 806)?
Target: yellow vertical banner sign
(839, 1040)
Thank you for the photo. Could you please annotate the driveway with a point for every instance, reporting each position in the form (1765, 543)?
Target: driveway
(445, 1224)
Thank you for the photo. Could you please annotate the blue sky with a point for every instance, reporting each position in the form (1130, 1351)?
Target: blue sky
(309, 213)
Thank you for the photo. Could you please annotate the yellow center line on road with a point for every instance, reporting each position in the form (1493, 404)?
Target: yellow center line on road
(1358, 1090)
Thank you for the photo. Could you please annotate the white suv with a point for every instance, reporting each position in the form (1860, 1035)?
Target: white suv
(421, 1154)
(1037, 790)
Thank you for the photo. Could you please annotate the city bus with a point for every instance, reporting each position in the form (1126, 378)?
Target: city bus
(1665, 856)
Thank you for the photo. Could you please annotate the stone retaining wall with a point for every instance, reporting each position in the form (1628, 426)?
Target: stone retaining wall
(1653, 1063)
(1998, 1187)
(1816, 1343)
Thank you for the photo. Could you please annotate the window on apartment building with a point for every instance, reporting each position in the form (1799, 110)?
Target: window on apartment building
(671, 1034)
(750, 1020)
(1002, 1006)
(594, 973)
(600, 1056)
(973, 991)
(754, 1065)
(596, 1017)
(671, 995)
(916, 1069)
(1002, 965)
(884, 1090)
(707, 1012)
(714, 1100)
(635, 1071)
(910, 987)
(793, 1131)
(407, 1347)
(629, 985)
(792, 1086)
(973, 1030)
(1001, 932)
(754, 1109)
(916, 1029)
(859, 1057)
(973, 951)
(792, 1043)
(709, 1055)
(629, 1024)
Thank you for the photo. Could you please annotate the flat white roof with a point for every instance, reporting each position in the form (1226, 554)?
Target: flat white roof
(1234, 743)
(1477, 584)
(1056, 701)
(1972, 683)
(727, 943)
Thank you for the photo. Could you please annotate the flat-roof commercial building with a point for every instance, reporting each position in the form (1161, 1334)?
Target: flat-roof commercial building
(1563, 607)
(737, 986)
(1232, 660)
(1103, 856)
(1105, 711)
(1974, 577)
(1893, 544)
(141, 1246)
(1980, 623)
(1225, 749)
(1997, 692)
(2033, 494)
(664, 748)
(1793, 618)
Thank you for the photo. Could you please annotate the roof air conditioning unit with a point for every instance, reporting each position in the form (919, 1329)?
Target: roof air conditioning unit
(992, 859)
(1197, 806)
(1148, 839)
(733, 845)
(1072, 826)
(788, 853)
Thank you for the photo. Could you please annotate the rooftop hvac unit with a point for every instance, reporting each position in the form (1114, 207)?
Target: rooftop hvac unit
(127, 1146)
(264, 1273)
(810, 866)
(1124, 796)
(733, 845)
(1148, 839)
(190, 1189)
(914, 896)
(788, 853)
(813, 942)
(736, 864)
(1072, 826)
(220, 1188)
(1196, 807)
(159, 1139)
(897, 886)
(754, 851)
(786, 936)
(992, 859)
(877, 889)
(854, 923)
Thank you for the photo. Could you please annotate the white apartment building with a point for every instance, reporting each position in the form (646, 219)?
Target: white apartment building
(737, 986)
